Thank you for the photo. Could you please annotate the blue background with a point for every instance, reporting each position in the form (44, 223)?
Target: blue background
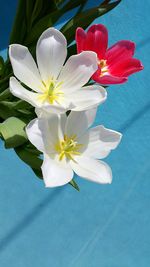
(103, 225)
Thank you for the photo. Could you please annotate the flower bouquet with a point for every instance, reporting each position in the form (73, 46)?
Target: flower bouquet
(51, 85)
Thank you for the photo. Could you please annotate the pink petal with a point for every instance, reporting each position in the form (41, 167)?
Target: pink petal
(120, 51)
(97, 39)
(107, 79)
(126, 67)
(80, 39)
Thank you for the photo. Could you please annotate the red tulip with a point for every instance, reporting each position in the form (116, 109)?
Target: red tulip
(116, 63)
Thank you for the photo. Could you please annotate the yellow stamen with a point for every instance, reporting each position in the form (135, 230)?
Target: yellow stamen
(103, 66)
(51, 92)
(68, 147)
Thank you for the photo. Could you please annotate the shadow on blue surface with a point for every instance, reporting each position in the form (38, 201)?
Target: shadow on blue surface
(123, 128)
(99, 232)
(28, 219)
(143, 43)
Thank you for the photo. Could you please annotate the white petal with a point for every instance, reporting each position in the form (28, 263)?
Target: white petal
(91, 169)
(57, 107)
(39, 112)
(79, 122)
(19, 91)
(39, 135)
(55, 126)
(43, 113)
(101, 141)
(45, 131)
(88, 97)
(78, 70)
(24, 66)
(56, 173)
(35, 135)
(51, 53)
(58, 119)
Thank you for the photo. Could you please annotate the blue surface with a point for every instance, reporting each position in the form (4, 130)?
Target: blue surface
(102, 226)
(7, 14)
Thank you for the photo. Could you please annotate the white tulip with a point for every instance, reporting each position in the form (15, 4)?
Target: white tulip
(69, 145)
(55, 88)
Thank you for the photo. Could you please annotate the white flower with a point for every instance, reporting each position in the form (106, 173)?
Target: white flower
(69, 146)
(55, 88)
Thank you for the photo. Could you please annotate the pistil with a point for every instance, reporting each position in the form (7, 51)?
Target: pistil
(68, 147)
(52, 92)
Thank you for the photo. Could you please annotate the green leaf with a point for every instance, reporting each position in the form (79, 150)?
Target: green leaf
(12, 132)
(5, 80)
(84, 19)
(38, 173)
(41, 26)
(36, 11)
(58, 3)
(21, 104)
(73, 4)
(1, 65)
(30, 157)
(11, 106)
(37, 8)
(49, 20)
(72, 50)
(29, 9)
(83, 3)
(5, 94)
(74, 184)
(19, 26)
(7, 110)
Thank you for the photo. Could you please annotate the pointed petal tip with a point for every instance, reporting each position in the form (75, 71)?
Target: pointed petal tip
(103, 91)
(108, 79)
(110, 182)
(79, 29)
(90, 57)
(12, 82)
(141, 66)
(14, 47)
(120, 136)
(89, 53)
(53, 32)
(98, 27)
(128, 43)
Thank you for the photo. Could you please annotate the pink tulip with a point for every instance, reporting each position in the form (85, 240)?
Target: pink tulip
(116, 63)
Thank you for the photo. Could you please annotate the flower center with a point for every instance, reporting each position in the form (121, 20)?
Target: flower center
(103, 66)
(52, 92)
(68, 147)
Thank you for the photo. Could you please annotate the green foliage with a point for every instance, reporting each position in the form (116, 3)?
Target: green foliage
(30, 156)
(74, 184)
(84, 19)
(1, 66)
(12, 132)
(32, 18)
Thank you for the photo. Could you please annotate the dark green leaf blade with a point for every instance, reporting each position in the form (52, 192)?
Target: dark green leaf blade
(85, 18)
(74, 184)
(30, 157)
(19, 27)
